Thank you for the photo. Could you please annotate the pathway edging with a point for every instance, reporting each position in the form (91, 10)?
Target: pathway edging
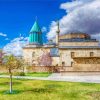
(58, 77)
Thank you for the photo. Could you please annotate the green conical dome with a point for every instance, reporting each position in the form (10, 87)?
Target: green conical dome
(35, 36)
(35, 28)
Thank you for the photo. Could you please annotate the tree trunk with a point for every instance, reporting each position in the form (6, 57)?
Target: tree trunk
(23, 69)
(10, 90)
(10, 83)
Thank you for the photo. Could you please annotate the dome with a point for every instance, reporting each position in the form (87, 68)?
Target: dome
(35, 28)
(75, 36)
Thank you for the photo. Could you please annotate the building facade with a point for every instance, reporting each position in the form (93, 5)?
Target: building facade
(71, 52)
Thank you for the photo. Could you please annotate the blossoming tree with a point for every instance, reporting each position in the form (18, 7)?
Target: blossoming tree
(45, 59)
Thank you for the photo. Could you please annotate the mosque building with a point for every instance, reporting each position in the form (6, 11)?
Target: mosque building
(70, 52)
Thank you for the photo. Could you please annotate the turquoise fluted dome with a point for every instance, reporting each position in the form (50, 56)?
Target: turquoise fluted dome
(35, 36)
(35, 28)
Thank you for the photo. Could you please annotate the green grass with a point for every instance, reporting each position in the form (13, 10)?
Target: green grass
(48, 90)
(3, 73)
(34, 74)
(38, 74)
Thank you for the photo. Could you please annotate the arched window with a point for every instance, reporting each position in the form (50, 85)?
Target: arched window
(33, 54)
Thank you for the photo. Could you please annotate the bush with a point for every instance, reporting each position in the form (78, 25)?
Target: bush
(22, 74)
(19, 74)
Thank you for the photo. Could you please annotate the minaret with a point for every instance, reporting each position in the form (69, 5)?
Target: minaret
(35, 36)
(57, 34)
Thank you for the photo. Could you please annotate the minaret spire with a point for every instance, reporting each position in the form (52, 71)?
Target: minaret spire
(57, 34)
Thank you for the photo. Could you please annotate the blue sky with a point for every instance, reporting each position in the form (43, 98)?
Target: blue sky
(18, 16)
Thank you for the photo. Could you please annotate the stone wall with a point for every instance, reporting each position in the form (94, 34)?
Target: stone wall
(44, 69)
(81, 59)
(32, 54)
(78, 43)
(83, 67)
(67, 57)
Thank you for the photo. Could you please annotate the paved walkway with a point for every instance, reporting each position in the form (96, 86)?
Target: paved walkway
(58, 77)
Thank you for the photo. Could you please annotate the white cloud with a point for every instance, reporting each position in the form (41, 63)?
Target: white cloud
(44, 29)
(2, 34)
(96, 36)
(7, 39)
(81, 16)
(70, 6)
(15, 46)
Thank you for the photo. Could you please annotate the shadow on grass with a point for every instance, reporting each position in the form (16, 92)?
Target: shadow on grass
(53, 86)
(34, 90)
(46, 89)
(22, 79)
(7, 83)
(87, 84)
(39, 90)
(6, 92)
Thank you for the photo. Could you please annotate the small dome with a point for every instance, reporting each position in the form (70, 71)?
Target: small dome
(75, 36)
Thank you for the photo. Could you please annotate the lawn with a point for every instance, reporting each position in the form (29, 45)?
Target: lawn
(49, 90)
(34, 74)
(38, 74)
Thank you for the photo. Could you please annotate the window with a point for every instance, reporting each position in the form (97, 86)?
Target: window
(72, 54)
(33, 54)
(72, 64)
(91, 54)
(63, 64)
(54, 52)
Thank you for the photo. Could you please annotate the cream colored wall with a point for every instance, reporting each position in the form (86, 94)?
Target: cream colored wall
(86, 52)
(65, 57)
(83, 67)
(27, 54)
(55, 61)
(65, 54)
(78, 43)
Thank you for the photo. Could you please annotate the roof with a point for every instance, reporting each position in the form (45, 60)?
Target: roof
(75, 36)
(79, 47)
(77, 40)
(35, 28)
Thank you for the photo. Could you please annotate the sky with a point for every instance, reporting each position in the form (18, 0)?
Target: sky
(81, 16)
(18, 16)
